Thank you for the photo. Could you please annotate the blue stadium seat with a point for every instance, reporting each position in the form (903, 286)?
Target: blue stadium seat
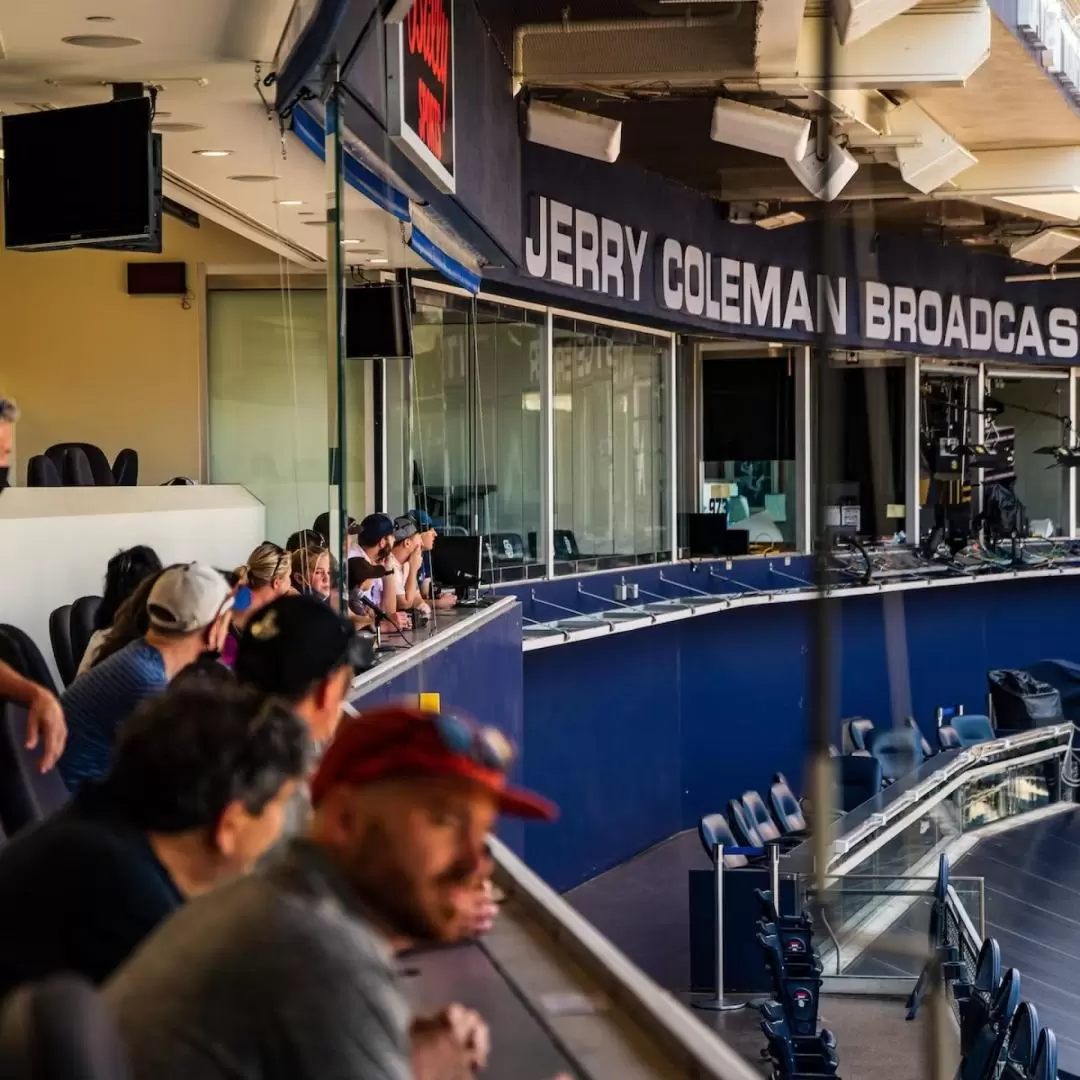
(859, 780)
(927, 749)
(1023, 1040)
(742, 825)
(973, 729)
(981, 1060)
(759, 814)
(897, 750)
(855, 732)
(786, 807)
(975, 1009)
(1045, 1065)
(714, 829)
(947, 738)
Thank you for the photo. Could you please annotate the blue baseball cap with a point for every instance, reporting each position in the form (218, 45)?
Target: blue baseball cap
(424, 521)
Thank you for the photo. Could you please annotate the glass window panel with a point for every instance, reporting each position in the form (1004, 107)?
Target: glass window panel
(610, 473)
(266, 377)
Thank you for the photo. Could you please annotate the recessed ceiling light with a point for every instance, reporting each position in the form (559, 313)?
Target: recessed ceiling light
(253, 178)
(100, 18)
(100, 41)
(305, 213)
(291, 202)
(212, 153)
(322, 221)
(379, 261)
(176, 127)
(352, 241)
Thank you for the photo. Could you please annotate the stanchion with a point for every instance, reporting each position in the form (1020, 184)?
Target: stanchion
(717, 1003)
(774, 876)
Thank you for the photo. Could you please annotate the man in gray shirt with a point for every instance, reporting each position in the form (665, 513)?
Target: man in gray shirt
(287, 975)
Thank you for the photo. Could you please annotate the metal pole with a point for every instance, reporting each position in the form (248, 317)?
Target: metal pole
(717, 1003)
(774, 876)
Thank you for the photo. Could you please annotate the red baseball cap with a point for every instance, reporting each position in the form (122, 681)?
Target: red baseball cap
(398, 740)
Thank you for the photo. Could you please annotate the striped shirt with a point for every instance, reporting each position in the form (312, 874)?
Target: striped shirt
(97, 703)
(277, 976)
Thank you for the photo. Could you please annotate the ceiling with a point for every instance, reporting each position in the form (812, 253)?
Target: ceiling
(1009, 101)
(201, 54)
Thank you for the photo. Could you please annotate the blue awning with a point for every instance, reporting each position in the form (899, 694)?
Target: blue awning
(372, 186)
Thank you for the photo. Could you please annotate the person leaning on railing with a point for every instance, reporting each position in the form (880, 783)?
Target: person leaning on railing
(45, 719)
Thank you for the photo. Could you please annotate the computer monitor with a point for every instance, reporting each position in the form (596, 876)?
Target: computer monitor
(455, 561)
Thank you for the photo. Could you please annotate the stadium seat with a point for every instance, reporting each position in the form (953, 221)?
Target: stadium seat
(83, 617)
(897, 750)
(975, 1009)
(1045, 1065)
(125, 468)
(60, 1029)
(100, 471)
(859, 780)
(17, 650)
(785, 807)
(42, 472)
(855, 732)
(927, 749)
(1023, 1040)
(981, 1060)
(714, 829)
(742, 825)
(948, 738)
(759, 814)
(26, 794)
(973, 729)
(60, 637)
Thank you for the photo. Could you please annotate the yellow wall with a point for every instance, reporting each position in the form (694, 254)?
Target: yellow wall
(88, 363)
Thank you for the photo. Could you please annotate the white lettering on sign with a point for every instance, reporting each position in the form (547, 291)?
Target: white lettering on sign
(595, 254)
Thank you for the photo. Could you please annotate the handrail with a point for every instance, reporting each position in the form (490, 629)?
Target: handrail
(712, 1058)
(933, 789)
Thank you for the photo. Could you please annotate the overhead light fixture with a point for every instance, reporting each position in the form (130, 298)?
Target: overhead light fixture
(289, 202)
(825, 179)
(937, 157)
(100, 41)
(1044, 248)
(764, 131)
(175, 127)
(780, 221)
(100, 18)
(212, 153)
(252, 178)
(352, 241)
(573, 131)
(378, 261)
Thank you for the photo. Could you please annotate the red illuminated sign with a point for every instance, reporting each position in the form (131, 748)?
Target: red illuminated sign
(421, 72)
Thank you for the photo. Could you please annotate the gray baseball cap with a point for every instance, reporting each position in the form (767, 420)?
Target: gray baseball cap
(187, 598)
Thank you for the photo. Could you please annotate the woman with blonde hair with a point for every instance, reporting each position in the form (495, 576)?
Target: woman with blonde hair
(311, 572)
(265, 576)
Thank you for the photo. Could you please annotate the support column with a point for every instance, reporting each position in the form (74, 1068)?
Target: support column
(911, 449)
(804, 452)
(671, 450)
(545, 546)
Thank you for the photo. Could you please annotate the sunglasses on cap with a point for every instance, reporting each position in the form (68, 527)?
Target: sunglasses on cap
(487, 747)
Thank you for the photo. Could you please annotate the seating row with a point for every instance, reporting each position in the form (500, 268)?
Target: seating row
(1000, 1035)
(82, 465)
(750, 823)
(796, 1048)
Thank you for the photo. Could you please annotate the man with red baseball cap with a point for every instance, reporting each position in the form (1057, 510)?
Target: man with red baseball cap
(287, 975)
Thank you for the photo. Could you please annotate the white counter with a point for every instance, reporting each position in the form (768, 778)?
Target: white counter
(55, 542)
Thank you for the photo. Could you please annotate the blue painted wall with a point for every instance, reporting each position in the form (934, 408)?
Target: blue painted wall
(481, 674)
(638, 735)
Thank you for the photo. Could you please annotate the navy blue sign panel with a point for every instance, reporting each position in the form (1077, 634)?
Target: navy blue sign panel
(639, 245)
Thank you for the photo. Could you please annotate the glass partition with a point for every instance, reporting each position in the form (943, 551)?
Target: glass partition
(610, 439)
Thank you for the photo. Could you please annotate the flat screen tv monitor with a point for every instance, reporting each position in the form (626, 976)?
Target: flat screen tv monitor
(377, 322)
(455, 561)
(77, 177)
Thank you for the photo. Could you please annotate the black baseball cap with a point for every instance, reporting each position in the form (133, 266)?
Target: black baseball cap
(358, 570)
(293, 643)
(305, 538)
(322, 526)
(375, 527)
